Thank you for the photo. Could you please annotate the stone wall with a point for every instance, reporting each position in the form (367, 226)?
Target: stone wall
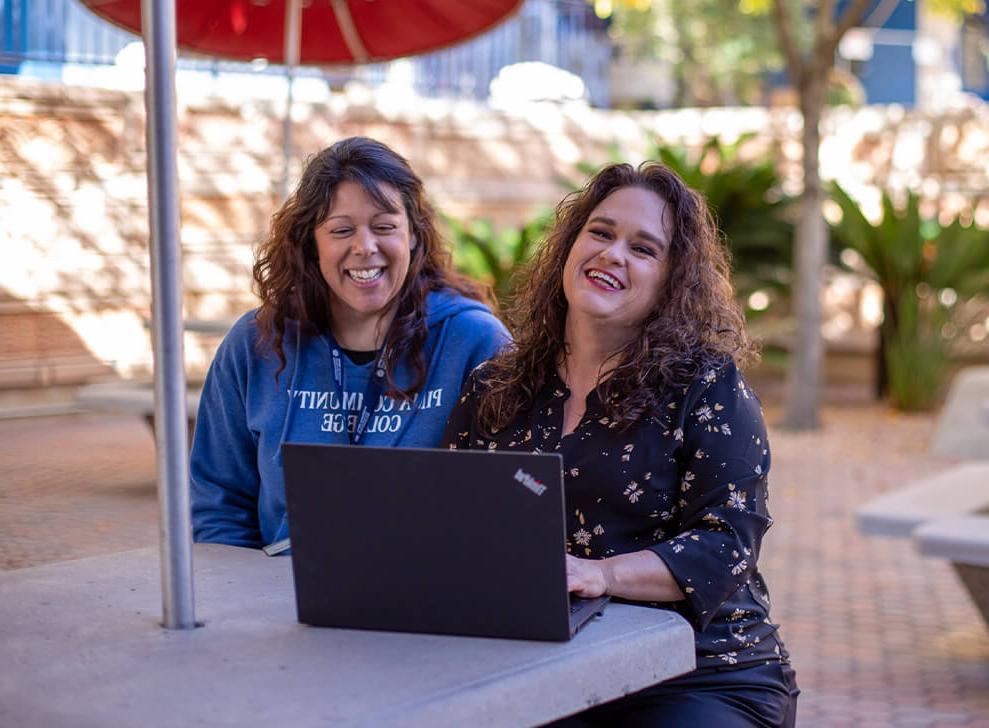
(74, 284)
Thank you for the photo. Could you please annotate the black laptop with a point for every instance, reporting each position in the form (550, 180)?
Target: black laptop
(440, 541)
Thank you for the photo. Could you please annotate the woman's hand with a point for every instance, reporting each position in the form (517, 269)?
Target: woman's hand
(587, 578)
(639, 576)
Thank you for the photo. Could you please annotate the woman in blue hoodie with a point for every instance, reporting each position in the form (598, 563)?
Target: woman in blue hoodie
(364, 335)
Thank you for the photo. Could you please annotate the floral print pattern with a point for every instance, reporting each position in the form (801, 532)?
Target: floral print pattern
(688, 482)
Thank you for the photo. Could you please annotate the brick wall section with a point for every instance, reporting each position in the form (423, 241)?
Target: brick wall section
(37, 348)
(74, 284)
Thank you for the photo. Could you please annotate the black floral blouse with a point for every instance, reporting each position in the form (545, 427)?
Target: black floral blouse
(689, 483)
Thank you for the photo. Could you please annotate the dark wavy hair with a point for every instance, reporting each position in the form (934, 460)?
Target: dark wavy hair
(286, 268)
(696, 323)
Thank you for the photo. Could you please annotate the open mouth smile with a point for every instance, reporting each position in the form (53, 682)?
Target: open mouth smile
(364, 275)
(603, 280)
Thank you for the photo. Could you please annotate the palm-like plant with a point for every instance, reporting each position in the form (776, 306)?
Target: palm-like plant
(925, 269)
(746, 199)
(493, 255)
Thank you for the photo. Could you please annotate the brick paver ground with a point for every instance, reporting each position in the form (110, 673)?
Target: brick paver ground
(879, 636)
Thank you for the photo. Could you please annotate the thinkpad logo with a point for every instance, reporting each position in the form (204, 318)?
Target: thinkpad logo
(529, 482)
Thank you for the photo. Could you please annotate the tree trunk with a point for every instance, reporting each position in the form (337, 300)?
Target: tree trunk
(684, 69)
(887, 333)
(810, 256)
(881, 373)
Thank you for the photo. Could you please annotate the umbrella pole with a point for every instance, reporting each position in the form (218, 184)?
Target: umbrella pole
(293, 40)
(171, 429)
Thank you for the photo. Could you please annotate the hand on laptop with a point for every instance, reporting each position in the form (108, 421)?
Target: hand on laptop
(587, 578)
(640, 576)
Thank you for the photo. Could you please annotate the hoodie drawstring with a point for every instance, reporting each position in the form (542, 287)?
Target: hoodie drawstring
(290, 406)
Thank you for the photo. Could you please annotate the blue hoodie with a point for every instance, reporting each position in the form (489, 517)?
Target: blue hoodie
(238, 494)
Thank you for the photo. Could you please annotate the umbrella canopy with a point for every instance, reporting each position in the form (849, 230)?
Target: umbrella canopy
(332, 31)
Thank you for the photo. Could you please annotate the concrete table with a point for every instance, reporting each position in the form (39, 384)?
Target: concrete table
(81, 646)
(963, 424)
(964, 541)
(954, 491)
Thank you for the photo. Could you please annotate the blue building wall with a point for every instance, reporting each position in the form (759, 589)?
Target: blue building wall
(13, 35)
(903, 17)
(973, 60)
(55, 31)
(890, 76)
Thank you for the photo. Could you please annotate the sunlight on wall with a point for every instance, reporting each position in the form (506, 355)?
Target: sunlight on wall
(74, 216)
(117, 337)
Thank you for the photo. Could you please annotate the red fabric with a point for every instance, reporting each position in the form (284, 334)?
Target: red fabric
(247, 29)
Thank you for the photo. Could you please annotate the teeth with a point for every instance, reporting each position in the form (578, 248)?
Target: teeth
(608, 280)
(365, 275)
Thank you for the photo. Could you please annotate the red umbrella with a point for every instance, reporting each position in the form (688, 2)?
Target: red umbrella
(333, 31)
(318, 32)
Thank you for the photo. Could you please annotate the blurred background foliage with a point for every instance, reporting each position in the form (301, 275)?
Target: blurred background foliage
(934, 276)
(495, 255)
(723, 52)
(745, 195)
(719, 50)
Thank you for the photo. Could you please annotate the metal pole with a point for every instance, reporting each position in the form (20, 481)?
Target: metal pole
(171, 429)
(293, 39)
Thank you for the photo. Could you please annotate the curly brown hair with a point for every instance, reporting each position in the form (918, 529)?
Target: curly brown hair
(696, 323)
(286, 268)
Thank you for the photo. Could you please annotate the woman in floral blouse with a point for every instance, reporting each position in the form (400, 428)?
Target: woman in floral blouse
(627, 338)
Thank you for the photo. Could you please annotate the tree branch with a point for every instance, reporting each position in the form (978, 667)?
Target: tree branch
(849, 19)
(823, 22)
(788, 44)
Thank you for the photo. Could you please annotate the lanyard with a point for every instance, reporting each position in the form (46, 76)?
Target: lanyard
(369, 401)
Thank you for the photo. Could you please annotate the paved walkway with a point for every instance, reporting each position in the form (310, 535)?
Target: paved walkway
(879, 636)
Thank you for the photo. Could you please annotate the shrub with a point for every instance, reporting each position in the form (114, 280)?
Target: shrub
(928, 272)
(493, 255)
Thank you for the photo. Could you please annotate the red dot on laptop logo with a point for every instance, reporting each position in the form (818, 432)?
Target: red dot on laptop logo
(529, 482)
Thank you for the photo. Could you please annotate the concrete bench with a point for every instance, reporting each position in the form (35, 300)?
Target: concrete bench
(947, 516)
(134, 398)
(963, 425)
(964, 541)
(959, 490)
(215, 327)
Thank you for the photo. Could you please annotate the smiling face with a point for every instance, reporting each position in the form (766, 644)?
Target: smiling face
(364, 253)
(614, 273)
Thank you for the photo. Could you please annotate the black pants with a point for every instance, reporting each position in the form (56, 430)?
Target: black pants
(760, 696)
